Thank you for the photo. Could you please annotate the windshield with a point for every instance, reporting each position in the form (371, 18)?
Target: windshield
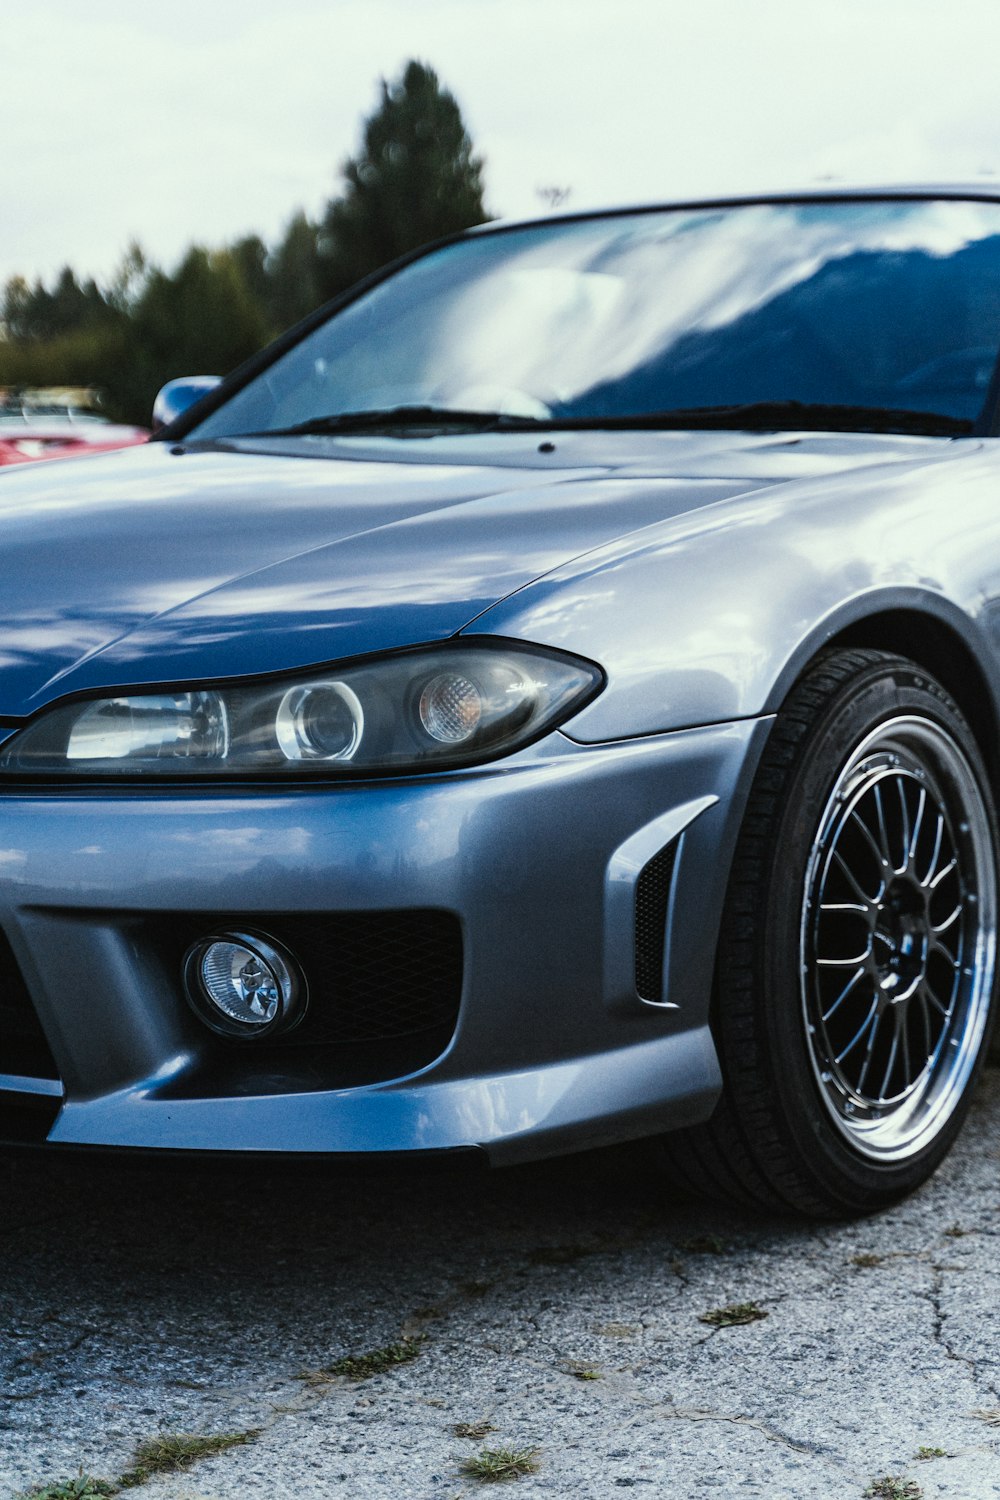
(889, 305)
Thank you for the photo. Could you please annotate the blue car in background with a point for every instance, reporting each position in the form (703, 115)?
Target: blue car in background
(550, 697)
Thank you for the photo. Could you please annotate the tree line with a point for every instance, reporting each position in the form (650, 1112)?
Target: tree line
(416, 177)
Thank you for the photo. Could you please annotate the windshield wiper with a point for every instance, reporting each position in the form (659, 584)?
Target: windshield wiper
(423, 419)
(785, 416)
(750, 416)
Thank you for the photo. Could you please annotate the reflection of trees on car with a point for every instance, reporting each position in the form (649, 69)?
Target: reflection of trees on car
(782, 349)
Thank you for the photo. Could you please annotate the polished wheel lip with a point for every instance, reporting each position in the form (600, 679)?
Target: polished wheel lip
(918, 761)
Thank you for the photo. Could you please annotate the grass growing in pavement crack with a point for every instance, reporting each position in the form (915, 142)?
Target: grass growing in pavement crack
(374, 1362)
(474, 1430)
(500, 1463)
(893, 1487)
(82, 1488)
(167, 1454)
(172, 1452)
(733, 1315)
(924, 1452)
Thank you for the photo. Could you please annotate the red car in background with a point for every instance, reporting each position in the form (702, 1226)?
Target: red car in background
(63, 423)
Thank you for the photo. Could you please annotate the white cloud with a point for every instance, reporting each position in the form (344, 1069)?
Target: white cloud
(205, 119)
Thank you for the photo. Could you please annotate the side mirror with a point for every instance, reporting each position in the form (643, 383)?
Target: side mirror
(177, 395)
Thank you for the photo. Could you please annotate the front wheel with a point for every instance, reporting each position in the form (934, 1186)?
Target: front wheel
(857, 958)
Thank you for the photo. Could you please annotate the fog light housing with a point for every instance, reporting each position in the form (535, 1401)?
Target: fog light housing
(241, 984)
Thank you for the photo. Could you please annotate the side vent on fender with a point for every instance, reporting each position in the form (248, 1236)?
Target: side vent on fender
(652, 895)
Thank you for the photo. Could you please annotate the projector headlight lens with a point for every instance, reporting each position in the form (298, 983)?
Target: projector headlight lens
(420, 710)
(319, 721)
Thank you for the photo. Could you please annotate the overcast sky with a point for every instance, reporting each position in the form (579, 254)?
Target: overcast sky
(186, 120)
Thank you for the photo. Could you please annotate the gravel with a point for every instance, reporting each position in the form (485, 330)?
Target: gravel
(557, 1310)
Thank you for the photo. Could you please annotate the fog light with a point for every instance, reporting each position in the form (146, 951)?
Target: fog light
(242, 985)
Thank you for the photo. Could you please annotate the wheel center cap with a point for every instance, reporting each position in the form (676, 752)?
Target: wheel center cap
(901, 938)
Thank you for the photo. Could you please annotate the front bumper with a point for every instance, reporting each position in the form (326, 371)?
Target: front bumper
(537, 859)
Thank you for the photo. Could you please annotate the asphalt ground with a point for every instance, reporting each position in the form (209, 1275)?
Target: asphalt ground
(557, 1312)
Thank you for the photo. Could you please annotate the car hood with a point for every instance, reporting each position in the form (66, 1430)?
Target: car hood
(162, 564)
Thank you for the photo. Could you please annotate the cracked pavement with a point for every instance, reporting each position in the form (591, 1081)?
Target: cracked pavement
(560, 1304)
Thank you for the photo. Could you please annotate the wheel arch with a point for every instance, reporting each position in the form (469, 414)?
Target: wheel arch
(945, 647)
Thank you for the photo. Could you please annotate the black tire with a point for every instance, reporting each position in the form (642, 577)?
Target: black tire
(856, 965)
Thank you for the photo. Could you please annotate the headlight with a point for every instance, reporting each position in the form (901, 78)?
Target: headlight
(418, 710)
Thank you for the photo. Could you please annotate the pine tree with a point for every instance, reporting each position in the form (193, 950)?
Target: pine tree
(202, 320)
(295, 272)
(415, 179)
(35, 313)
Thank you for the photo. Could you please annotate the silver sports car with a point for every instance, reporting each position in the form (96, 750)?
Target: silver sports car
(550, 697)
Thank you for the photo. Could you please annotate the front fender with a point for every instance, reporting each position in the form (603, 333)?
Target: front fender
(715, 615)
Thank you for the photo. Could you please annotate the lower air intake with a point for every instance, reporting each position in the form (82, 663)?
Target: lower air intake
(24, 1050)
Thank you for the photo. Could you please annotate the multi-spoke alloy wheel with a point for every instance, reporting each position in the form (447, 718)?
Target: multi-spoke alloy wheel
(896, 937)
(856, 963)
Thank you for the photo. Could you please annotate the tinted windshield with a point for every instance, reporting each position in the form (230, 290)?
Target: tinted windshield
(892, 304)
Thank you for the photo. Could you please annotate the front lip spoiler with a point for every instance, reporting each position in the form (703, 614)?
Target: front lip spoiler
(594, 1099)
(459, 1160)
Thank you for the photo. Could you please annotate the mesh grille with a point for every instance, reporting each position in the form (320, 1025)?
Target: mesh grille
(376, 975)
(372, 976)
(23, 1048)
(652, 892)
